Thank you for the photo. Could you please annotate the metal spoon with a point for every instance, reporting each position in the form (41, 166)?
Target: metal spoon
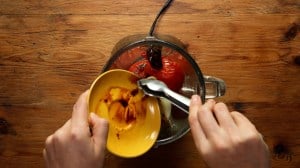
(157, 88)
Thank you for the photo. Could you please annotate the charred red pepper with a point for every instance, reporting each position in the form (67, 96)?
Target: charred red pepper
(162, 67)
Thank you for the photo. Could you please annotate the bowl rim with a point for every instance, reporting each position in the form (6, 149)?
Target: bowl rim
(92, 87)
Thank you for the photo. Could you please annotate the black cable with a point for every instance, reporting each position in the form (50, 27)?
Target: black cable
(162, 10)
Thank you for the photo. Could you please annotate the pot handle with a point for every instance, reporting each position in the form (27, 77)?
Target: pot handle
(215, 87)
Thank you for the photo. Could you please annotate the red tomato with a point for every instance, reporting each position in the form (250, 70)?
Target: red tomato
(170, 73)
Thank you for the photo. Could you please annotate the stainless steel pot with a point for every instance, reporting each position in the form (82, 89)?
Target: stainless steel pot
(130, 49)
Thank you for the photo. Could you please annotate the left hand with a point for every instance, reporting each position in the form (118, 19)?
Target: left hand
(74, 145)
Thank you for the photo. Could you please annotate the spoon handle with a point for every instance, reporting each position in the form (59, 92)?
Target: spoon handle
(178, 100)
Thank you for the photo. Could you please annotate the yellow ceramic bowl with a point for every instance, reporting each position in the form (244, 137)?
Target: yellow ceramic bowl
(134, 119)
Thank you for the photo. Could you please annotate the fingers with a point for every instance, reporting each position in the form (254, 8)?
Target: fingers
(100, 132)
(207, 120)
(248, 129)
(241, 121)
(224, 117)
(197, 132)
(80, 111)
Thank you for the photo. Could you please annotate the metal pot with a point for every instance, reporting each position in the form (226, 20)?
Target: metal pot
(130, 49)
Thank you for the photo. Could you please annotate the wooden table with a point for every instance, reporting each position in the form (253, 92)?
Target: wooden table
(51, 51)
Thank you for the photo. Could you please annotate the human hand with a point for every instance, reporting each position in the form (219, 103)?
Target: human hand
(226, 139)
(74, 145)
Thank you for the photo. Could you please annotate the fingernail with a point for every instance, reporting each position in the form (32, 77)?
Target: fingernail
(93, 115)
(195, 99)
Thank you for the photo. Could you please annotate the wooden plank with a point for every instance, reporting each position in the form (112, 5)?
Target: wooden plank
(51, 51)
(136, 7)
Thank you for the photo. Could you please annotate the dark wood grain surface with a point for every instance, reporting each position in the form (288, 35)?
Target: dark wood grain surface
(51, 51)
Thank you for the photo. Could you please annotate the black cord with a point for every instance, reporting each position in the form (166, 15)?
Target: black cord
(162, 10)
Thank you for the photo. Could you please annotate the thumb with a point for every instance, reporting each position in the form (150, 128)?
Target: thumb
(99, 132)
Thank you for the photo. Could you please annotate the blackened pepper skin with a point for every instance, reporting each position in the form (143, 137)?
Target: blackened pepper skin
(154, 56)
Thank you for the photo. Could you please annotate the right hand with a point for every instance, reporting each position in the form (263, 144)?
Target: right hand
(226, 139)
